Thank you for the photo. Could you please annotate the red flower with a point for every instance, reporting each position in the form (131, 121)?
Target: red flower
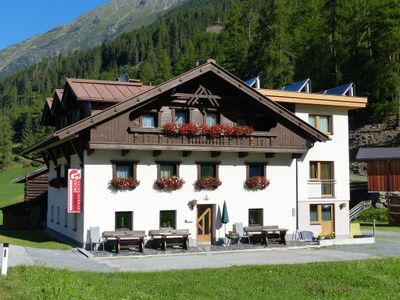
(257, 182)
(170, 129)
(203, 129)
(208, 183)
(169, 183)
(187, 129)
(124, 183)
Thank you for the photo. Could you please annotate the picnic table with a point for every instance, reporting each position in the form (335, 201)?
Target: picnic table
(132, 239)
(170, 237)
(268, 234)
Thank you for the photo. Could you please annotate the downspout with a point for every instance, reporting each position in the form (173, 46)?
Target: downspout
(297, 194)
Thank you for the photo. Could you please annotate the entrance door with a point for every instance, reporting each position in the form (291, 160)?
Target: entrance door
(204, 223)
(327, 218)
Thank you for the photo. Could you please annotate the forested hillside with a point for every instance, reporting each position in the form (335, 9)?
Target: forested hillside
(330, 41)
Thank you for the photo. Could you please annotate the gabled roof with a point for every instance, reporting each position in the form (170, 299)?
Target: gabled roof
(383, 153)
(148, 96)
(104, 90)
(30, 175)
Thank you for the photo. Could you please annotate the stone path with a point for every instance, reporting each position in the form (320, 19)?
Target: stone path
(388, 244)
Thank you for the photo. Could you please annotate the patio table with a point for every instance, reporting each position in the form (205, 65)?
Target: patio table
(175, 237)
(133, 238)
(276, 235)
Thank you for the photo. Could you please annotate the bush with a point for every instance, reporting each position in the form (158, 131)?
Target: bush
(379, 214)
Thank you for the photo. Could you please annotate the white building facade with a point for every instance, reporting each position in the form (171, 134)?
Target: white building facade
(307, 166)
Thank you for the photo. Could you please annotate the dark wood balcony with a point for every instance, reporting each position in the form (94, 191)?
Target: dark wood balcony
(155, 139)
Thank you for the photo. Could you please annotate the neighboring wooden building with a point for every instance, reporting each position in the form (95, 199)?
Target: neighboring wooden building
(383, 168)
(31, 213)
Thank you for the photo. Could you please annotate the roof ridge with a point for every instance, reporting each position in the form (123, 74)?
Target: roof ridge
(111, 82)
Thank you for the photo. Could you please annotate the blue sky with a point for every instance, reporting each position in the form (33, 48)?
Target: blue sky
(21, 19)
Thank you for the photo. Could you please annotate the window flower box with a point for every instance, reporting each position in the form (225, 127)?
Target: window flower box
(215, 131)
(169, 183)
(257, 183)
(208, 183)
(124, 183)
(58, 182)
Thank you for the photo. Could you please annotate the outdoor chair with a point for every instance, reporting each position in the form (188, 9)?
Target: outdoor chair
(240, 231)
(307, 236)
(355, 230)
(232, 236)
(95, 237)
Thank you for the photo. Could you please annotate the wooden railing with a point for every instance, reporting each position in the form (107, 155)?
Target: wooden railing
(145, 136)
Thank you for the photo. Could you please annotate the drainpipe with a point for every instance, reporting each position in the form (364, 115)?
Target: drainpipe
(297, 194)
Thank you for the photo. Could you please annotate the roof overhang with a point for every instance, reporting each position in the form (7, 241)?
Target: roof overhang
(348, 102)
(382, 153)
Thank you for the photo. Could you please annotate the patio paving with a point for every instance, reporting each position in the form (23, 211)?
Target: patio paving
(199, 249)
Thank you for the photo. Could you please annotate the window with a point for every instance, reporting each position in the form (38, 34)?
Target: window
(75, 222)
(122, 169)
(123, 220)
(256, 217)
(149, 120)
(181, 117)
(52, 214)
(207, 169)
(322, 123)
(211, 118)
(58, 215)
(167, 169)
(256, 169)
(322, 172)
(168, 219)
(66, 218)
(321, 213)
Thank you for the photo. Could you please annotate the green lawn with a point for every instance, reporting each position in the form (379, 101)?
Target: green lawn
(31, 238)
(366, 279)
(383, 227)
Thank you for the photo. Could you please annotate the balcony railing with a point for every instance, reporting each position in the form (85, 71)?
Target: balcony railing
(324, 188)
(143, 136)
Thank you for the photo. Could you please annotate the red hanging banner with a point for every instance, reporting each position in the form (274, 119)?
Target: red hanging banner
(74, 191)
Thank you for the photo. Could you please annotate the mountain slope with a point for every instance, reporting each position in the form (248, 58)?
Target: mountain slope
(89, 30)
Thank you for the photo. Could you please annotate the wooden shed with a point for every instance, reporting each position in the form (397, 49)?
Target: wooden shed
(383, 166)
(31, 213)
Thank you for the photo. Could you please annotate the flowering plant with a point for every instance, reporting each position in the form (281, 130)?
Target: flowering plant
(214, 131)
(169, 183)
(170, 129)
(187, 129)
(58, 182)
(257, 182)
(124, 183)
(208, 183)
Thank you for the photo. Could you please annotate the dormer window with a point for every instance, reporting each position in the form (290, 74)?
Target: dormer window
(181, 117)
(149, 120)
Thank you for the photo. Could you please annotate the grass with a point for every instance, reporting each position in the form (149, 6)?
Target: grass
(31, 238)
(383, 227)
(366, 279)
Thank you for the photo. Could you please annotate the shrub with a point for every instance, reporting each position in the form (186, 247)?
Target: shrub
(124, 183)
(208, 183)
(169, 183)
(257, 183)
(379, 214)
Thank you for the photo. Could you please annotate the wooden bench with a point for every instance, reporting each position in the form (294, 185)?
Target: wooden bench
(270, 233)
(164, 238)
(131, 239)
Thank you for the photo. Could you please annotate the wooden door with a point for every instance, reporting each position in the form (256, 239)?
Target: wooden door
(327, 218)
(204, 223)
